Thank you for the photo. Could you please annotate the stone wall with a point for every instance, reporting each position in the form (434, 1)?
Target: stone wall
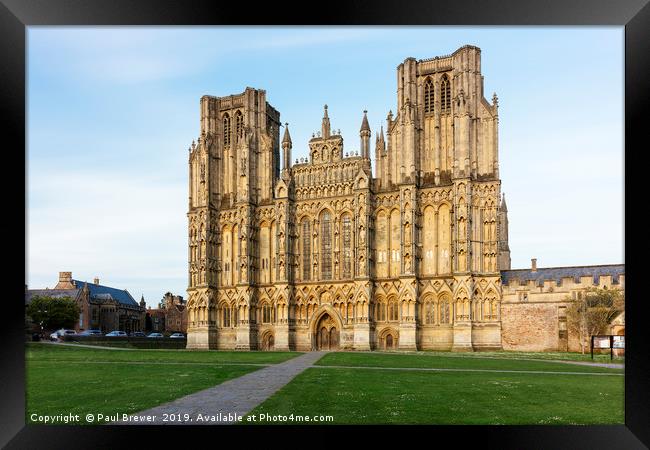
(529, 327)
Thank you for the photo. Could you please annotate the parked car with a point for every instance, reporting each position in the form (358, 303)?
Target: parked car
(60, 333)
(116, 333)
(91, 333)
(155, 335)
(177, 336)
(138, 334)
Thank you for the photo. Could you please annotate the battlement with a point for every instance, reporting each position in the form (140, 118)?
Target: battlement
(550, 279)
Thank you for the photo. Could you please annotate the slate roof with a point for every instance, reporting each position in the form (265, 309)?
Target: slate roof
(55, 293)
(557, 273)
(99, 292)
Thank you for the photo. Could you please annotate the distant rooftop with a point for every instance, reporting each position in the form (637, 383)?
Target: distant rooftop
(101, 292)
(557, 273)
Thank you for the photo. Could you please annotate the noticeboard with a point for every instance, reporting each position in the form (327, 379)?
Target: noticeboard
(619, 341)
(601, 342)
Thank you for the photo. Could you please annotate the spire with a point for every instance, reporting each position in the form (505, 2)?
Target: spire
(286, 148)
(325, 128)
(364, 122)
(503, 204)
(287, 137)
(365, 136)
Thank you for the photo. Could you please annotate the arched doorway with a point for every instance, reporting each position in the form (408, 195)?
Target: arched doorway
(327, 334)
(389, 339)
(268, 342)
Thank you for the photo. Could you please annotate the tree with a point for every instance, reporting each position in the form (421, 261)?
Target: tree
(593, 312)
(53, 313)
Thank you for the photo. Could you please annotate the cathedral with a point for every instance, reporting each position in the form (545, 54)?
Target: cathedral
(321, 254)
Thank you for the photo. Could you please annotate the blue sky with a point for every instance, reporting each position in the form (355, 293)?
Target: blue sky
(113, 110)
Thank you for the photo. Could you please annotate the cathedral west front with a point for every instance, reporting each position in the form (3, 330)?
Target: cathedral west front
(319, 253)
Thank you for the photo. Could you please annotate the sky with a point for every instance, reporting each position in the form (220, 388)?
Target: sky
(113, 110)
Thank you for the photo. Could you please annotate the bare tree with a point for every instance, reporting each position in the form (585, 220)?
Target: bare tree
(592, 313)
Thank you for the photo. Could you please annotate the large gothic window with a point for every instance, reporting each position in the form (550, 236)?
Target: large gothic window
(306, 250)
(445, 95)
(444, 311)
(393, 310)
(226, 130)
(326, 246)
(429, 312)
(347, 247)
(267, 315)
(239, 123)
(428, 96)
(225, 316)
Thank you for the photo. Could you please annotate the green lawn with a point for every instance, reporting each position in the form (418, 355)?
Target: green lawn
(450, 361)
(565, 356)
(367, 396)
(68, 380)
(368, 393)
(54, 352)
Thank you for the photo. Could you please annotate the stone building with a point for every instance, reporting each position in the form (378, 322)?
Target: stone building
(102, 307)
(322, 254)
(170, 316)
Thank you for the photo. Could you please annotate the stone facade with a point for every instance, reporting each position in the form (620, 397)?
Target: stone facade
(322, 254)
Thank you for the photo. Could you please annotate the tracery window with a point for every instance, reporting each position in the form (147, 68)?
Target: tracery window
(428, 96)
(226, 130)
(225, 316)
(239, 124)
(306, 250)
(393, 310)
(267, 314)
(326, 246)
(429, 313)
(444, 311)
(445, 95)
(347, 247)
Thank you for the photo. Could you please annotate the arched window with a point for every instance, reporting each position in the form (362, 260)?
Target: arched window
(393, 310)
(326, 246)
(429, 313)
(239, 123)
(428, 96)
(444, 311)
(306, 249)
(347, 246)
(267, 314)
(226, 130)
(445, 95)
(225, 316)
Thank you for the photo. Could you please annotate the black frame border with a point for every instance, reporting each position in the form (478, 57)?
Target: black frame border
(16, 15)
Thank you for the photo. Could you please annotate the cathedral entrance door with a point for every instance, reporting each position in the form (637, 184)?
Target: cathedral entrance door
(327, 335)
(389, 342)
(323, 339)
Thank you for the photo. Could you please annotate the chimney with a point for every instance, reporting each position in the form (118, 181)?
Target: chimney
(533, 263)
(96, 280)
(65, 277)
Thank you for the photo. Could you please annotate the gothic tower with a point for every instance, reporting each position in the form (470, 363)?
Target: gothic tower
(234, 164)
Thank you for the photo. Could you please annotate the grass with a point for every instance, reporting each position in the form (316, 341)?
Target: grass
(451, 361)
(69, 380)
(54, 352)
(564, 356)
(365, 396)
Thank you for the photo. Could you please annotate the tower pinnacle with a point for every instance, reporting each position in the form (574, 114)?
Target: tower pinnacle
(325, 129)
